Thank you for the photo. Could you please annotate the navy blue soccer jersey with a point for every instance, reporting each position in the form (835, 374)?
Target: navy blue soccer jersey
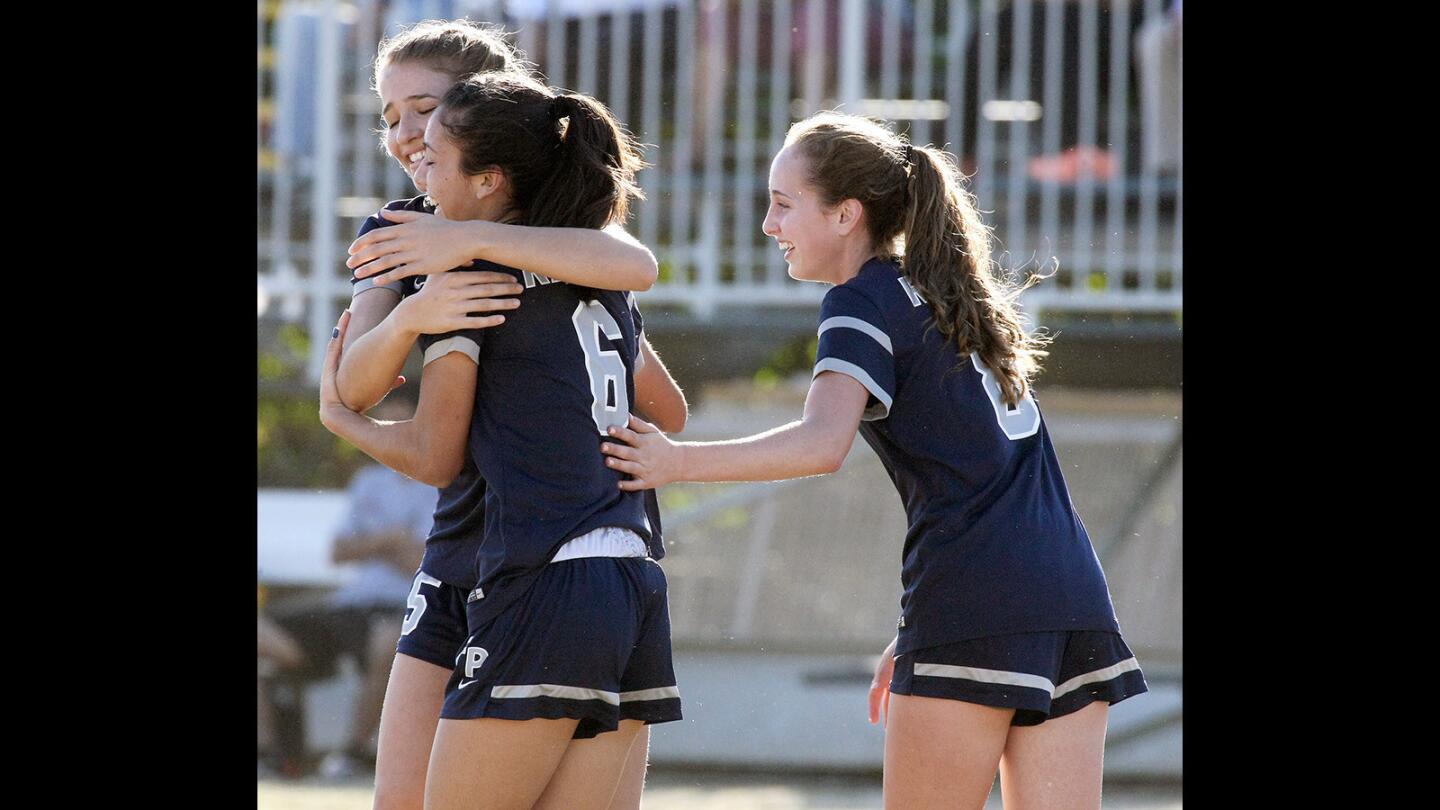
(460, 508)
(405, 286)
(553, 378)
(994, 545)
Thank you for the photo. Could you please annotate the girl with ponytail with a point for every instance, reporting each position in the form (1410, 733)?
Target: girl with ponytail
(1008, 652)
(397, 251)
(566, 656)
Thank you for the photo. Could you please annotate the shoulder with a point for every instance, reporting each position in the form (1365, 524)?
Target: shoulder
(376, 221)
(866, 296)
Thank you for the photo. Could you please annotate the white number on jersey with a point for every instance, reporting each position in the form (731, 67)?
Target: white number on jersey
(1018, 422)
(415, 603)
(611, 404)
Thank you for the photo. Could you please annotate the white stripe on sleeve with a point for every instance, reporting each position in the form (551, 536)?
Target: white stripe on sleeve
(464, 345)
(878, 411)
(847, 322)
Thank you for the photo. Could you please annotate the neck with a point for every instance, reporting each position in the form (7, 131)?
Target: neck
(852, 257)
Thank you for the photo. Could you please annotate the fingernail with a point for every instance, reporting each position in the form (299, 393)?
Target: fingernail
(334, 333)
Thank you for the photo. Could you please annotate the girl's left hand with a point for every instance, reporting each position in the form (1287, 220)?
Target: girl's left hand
(651, 459)
(421, 245)
(330, 402)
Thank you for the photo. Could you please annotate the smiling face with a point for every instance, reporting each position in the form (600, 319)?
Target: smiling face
(409, 94)
(799, 222)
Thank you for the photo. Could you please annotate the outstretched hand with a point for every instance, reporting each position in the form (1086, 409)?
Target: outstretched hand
(648, 455)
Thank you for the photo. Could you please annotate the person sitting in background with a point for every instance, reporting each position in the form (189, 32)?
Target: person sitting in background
(382, 536)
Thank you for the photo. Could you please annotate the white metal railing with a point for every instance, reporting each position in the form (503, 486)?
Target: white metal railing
(712, 85)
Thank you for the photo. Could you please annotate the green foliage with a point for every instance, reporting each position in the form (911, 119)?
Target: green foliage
(795, 356)
(294, 451)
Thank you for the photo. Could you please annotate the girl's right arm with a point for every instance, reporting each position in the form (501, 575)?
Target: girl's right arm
(425, 244)
(658, 397)
(430, 447)
(372, 360)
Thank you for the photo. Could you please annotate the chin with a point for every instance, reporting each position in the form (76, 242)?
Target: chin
(798, 274)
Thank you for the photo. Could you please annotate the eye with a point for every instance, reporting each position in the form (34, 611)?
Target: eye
(385, 124)
(426, 112)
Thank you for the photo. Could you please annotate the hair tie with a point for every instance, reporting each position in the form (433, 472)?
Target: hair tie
(557, 108)
(909, 155)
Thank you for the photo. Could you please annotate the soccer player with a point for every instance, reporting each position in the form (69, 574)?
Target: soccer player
(1008, 652)
(569, 651)
(412, 71)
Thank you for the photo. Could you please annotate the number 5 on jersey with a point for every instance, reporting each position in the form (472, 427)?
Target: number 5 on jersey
(611, 403)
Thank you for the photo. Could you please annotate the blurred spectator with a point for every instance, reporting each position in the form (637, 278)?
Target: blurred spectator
(275, 651)
(383, 537)
(1157, 61)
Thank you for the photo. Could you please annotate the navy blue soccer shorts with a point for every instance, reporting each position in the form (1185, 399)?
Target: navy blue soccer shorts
(1040, 675)
(434, 629)
(590, 640)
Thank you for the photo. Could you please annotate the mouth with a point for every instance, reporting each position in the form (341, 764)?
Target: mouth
(786, 247)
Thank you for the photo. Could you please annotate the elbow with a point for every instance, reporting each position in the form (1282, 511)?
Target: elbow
(830, 453)
(830, 461)
(674, 423)
(648, 272)
(441, 471)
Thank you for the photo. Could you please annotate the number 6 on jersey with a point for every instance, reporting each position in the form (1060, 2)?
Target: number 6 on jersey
(611, 406)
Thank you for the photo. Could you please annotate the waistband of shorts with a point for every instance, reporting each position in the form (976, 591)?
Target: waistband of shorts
(606, 541)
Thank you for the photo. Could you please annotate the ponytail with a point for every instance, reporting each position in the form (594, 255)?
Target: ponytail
(593, 179)
(947, 258)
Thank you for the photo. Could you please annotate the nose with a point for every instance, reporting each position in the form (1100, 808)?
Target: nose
(412, 130)
(768, 226)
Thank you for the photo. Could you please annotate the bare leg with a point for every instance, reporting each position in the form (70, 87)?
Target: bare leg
(941, 753)
(1057, 764)
(632, 779)
(379, 652)
(497, 764)
(590, 771)
(407, 729)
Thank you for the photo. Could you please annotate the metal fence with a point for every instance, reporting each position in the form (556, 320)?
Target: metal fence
(1066, 112)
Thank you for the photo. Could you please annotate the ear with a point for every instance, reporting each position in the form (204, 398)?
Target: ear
(487, 182)
(847, 215)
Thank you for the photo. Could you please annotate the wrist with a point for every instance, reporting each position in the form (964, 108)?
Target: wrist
(478, 237)
(400, 325)
(682, 461)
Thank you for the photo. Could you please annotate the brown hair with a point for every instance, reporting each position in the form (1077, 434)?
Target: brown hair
(915, 202)
(569, 163)
(456, 47)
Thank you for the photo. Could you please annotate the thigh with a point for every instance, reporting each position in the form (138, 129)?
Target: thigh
(590, 771)
(407, 729)
(632, 778)
(941, 752)
(495, 764)
(1057, 764)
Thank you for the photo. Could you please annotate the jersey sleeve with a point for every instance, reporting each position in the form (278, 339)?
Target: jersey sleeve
(854, 341)
(465, 341)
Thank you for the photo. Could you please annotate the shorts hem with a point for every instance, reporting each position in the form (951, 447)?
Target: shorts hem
(596, 716)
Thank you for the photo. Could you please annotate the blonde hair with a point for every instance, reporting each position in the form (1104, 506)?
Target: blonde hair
(918, 209)
(456, 47)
